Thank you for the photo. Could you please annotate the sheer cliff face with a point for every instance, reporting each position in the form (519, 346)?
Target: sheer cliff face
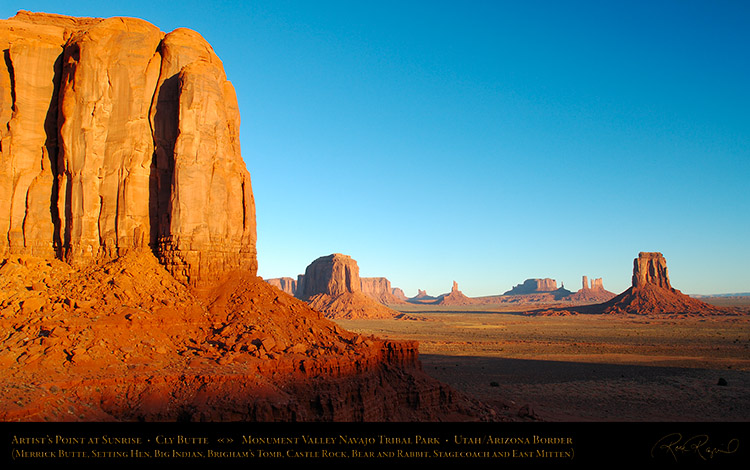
(332, 275)
(117, 137)
(650, 269)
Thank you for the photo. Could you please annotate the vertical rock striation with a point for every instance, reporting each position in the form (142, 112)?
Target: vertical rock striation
(114, 137)
(650, 269)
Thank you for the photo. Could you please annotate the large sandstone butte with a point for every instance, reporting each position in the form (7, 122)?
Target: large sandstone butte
(115, 137)
(332, 285)
(127, 258)
(652, 293)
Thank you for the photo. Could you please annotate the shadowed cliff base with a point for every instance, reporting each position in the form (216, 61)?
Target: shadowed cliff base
(583, 391)
(555, 366)
(126, 341)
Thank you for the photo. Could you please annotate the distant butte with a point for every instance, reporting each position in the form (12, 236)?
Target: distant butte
(651, 293)
(454, 297)
(422, 297)
(332, 285)
(591, 294)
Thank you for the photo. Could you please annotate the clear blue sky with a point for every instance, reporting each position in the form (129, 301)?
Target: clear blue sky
(487, 142)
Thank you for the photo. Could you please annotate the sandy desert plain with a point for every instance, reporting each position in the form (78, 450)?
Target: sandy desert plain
(585, 367)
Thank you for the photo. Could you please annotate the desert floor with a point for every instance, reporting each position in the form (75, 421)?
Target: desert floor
(584, 368)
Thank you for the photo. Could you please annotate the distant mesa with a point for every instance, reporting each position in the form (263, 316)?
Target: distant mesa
(379, 289)
(286, 284)
(332, 286)
(538, 290)
(595, 293)
(533, 286)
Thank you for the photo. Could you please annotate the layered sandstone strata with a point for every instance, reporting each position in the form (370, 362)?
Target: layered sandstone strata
(115, 137)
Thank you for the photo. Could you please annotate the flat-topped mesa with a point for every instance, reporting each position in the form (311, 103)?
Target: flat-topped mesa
(533, 286)
(650, 269)
(118, 137)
